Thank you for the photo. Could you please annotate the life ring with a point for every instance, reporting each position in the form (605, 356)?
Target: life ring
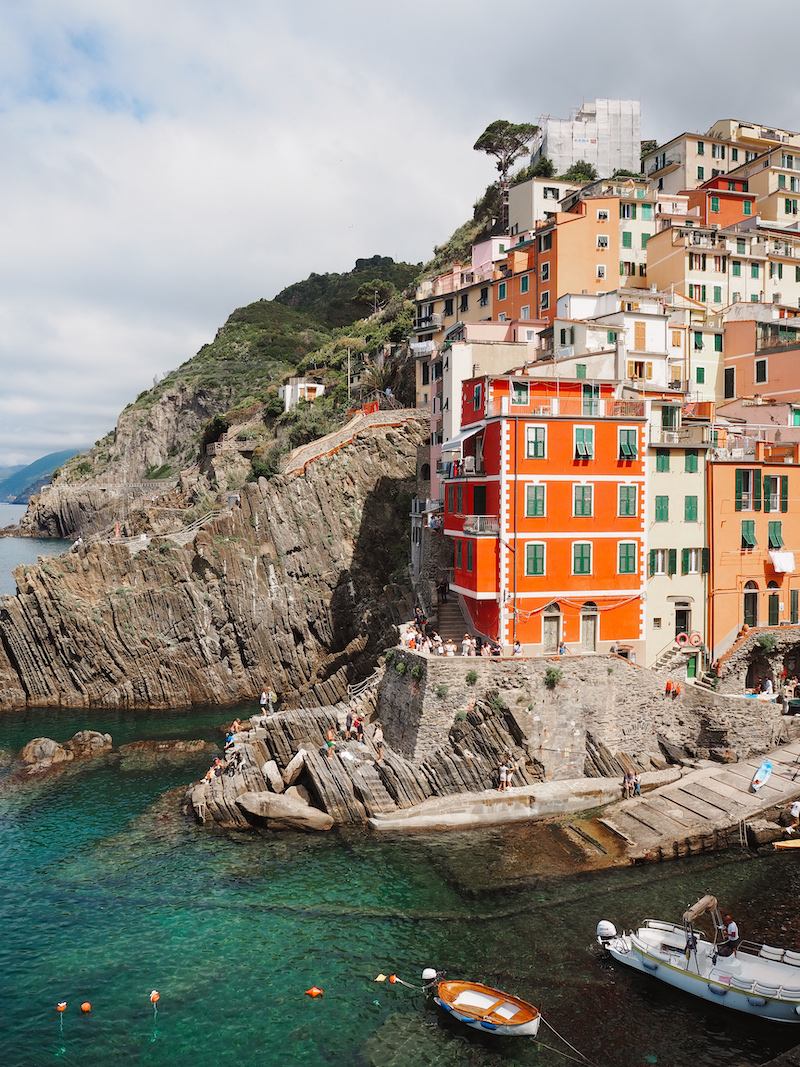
(696, 639)
(682, 640)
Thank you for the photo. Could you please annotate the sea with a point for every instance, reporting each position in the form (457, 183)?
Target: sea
(108, 893)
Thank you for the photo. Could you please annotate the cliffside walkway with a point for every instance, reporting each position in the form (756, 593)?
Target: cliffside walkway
(296, 461)
(706, 809)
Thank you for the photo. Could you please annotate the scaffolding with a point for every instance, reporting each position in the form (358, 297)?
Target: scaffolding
(605, 133)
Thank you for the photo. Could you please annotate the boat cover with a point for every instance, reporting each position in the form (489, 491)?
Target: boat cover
(703, 905)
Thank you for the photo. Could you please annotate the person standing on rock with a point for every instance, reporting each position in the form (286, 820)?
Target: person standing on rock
(359, 725)
(330, 741)
(377, 737)
(348, 724)
(264, 701)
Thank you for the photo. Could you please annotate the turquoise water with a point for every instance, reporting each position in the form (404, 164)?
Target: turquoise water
(107, 892)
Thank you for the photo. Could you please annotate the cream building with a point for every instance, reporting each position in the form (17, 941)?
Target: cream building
(676, 544)
(691, 159)
(535, 201)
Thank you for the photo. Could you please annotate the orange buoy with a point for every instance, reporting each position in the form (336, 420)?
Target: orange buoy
(393, 978)
(86, 1007)
(314, 992)
(155, 996)
(61, 1006)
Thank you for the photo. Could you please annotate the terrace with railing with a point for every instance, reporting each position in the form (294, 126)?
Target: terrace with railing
(570, 408)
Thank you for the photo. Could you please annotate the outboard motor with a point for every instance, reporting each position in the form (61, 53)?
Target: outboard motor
(430, 977)
(606, 931)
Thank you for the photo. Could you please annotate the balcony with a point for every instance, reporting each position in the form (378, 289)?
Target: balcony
(688, 435)
(482, 525)
(427, 322)
(468, 467)
(571, 408)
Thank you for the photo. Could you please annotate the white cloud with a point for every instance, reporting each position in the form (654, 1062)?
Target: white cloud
(165, 163)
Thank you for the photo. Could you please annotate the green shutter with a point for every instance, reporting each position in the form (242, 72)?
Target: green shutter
(767, 487)
(685, 561)
(739, 489)
(652, 562)
(627, 239)
(690, 509)
(794, 606)
(706, 560)
(784, 492)
(757, 491)
(673, 561)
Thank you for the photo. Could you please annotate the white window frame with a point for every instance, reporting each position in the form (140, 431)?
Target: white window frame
(544, 300)
(525, 312)
(628, 541)
(583, 485)
(635, 487)
(530, 574)
(572, 548)
(602, 240)
(544, 274)
(524, 388)
(529, 486)
(602, 214)
(695, 559)
(529, 454)
(600, 272)
(575, 441)
(627, 430)
(661, 562)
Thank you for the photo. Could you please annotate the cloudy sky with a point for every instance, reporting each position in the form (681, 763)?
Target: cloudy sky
(165, 162)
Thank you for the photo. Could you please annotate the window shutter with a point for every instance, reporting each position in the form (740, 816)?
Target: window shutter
(767, 487)
(784, 492)
(673, 561)
(648, 370)
(684, 561)
(706, 560)
(631, 368)
(739, 479)
(652, 562)
(757, 491)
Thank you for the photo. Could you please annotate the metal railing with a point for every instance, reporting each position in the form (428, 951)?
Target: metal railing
(482, 524)
(568, 407)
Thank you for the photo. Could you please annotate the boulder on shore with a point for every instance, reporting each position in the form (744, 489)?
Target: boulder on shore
(284, 813)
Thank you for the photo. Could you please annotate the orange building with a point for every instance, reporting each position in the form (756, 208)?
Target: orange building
(761, 358)
(753, 524)
(722, 201)
(574, 251)
(546, 511)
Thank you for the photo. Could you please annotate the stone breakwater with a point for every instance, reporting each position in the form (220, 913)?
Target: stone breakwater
(285, 589)
(447, 724)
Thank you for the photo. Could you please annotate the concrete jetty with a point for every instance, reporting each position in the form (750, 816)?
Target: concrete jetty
(706, 809)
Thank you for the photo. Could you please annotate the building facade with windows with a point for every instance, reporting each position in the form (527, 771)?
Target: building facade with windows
(546, 512)
(723, 201)
(535, 201)
(753, 529)
(762, 358)
(690, 159)
(677, 549)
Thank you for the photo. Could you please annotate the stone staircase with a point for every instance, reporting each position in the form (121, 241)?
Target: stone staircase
(450, 621)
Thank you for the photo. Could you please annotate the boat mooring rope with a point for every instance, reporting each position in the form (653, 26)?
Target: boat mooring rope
(581, 1058)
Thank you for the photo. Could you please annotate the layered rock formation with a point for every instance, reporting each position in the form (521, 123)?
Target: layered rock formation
(284, 589)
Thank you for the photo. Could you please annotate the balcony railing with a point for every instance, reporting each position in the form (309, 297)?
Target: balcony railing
(468, 467)
(568, 407)
(485, 525)
(684, 435)
(427, 322)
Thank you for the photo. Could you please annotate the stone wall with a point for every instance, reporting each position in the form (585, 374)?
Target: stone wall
(767, 662)
(621, 705)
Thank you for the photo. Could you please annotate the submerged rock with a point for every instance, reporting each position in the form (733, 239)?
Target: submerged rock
(42, 753)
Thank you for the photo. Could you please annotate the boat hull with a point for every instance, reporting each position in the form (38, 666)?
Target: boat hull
(711, 984)
(491, 1011)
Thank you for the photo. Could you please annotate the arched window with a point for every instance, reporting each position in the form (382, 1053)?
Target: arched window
(425, 472)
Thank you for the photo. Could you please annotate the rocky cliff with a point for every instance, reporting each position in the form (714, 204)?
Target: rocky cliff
(285, 589)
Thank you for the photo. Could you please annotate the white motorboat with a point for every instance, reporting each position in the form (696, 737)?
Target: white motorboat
(757, 979)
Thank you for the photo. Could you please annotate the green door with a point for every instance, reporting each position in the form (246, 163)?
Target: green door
(691, 667)
(774, 608)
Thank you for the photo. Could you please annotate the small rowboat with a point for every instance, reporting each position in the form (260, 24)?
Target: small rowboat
(794, 843)
(761, 776)
(486, 1009)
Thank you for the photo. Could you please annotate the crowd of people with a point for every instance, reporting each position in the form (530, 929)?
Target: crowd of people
(421, 637)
